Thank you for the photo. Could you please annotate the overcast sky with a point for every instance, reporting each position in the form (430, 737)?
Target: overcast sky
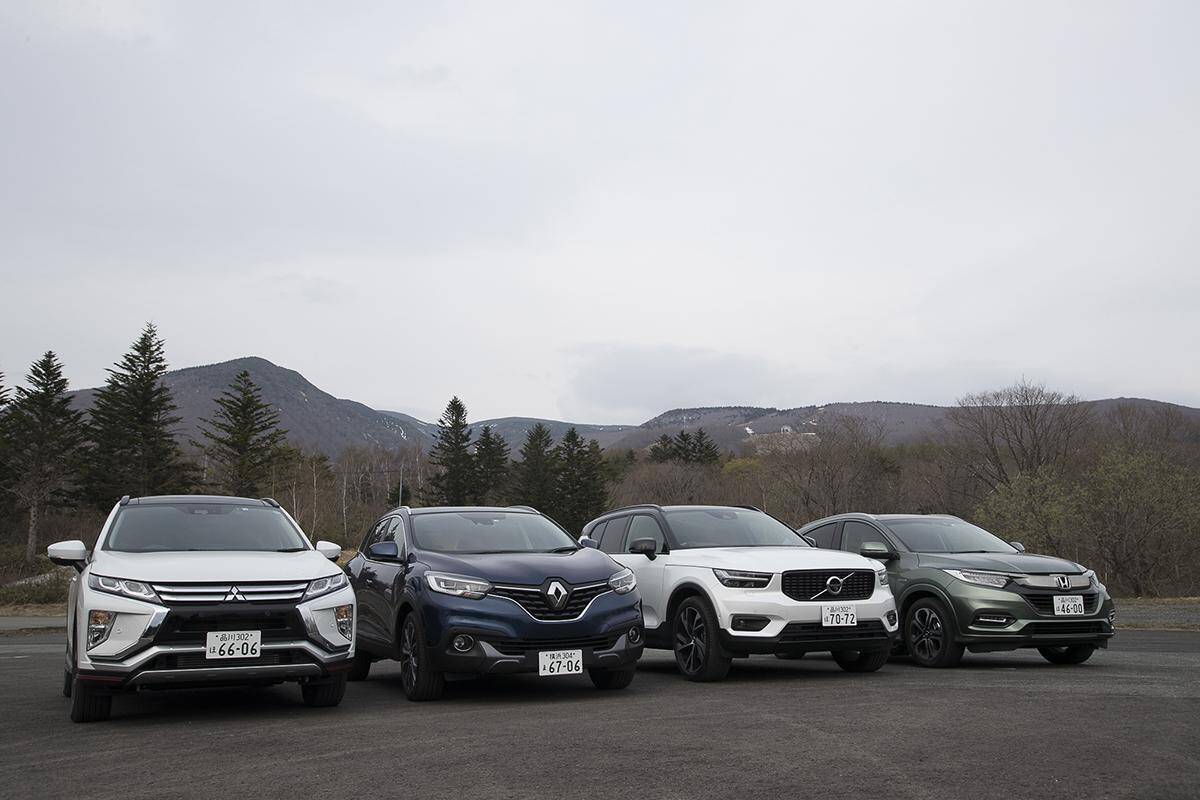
(598, 212)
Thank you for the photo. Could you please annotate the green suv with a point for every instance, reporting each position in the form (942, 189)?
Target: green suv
(959, 588)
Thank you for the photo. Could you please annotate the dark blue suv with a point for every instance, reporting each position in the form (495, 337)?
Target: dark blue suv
(475, 591)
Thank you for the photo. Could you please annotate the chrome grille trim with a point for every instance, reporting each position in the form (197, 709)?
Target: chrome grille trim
(252, 592)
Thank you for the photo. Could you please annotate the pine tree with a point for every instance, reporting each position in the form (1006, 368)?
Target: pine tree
(133, 423)
(453, 479)
(684, 448)
(534, 477)
(243, 439)
(491, 468)
(580, 494)
(704, 449)
(43, 440)
(663, 450)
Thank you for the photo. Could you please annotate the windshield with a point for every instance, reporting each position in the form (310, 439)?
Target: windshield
(932, 535)
(488, 532)
(167, 527)
(730, 527)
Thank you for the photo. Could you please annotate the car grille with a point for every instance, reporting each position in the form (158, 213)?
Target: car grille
(1043, 602)
(532, 600)
(809, 584)
(801, 632)
(1063, 628)
(198, 661)
(255, 592)
(191, 625)
(519, 647)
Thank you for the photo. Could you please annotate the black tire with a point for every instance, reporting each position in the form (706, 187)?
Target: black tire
(861, 660)
(698, 652)
(420, 682)
(325, 693)
(89, 704)
(789, 656)
(612, 678)
(1068, 654)
(929, 634)
(361, 668)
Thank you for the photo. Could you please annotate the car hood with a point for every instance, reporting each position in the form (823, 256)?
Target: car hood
(769, 559)
(586, 565)
(1001, 562)
(213, 567)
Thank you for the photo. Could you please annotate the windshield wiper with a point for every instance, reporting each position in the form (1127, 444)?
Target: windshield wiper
(291, 549)
(565, 549)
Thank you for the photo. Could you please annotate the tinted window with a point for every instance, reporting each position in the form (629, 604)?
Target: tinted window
(614, 535)
(823, 535)
(854, 533)
(730, 527)
(644, 527)
(377, 532)
(202, 526)
(945, 535)
(597, 532)
(488, 532)
(395, 532)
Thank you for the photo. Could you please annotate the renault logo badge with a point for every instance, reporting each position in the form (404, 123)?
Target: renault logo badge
(556, 594)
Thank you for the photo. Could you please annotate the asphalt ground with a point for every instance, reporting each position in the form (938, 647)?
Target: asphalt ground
(1126, 724)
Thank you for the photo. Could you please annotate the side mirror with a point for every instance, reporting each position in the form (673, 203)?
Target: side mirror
(330, 550)
(587, 541)
(647, 547)
(877, 550)
(384, 551)
(69, 554)
(1020, 547)
(809, 539)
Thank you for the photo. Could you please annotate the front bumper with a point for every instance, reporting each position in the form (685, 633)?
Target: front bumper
(507, 640)
(990, 620)
(794, 626)
(153, 645)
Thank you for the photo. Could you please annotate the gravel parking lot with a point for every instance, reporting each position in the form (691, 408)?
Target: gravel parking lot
(1126, 724)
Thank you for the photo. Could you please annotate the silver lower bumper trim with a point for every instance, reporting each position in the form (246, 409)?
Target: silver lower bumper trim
(216, 674)
(133, 662)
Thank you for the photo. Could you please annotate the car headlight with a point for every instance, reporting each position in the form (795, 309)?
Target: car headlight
(881, 574)
(324, 586)
(995, 579)
(457, 585)
(736, 579)
(136, 590)
(623, 582)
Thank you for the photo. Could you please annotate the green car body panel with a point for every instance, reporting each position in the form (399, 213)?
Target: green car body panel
(983, 618)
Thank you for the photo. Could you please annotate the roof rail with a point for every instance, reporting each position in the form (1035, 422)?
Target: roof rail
(124, 501)
(635, 505)
(526, 508)
(271, 501)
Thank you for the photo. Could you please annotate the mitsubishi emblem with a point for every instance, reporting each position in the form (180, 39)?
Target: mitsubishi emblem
(235, 595)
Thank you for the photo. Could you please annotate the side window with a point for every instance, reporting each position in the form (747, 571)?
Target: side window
(395, 532)
(597, 532)
(644, 527)
(824, 535)
(855, 533)
(376, 533)
(614, 535)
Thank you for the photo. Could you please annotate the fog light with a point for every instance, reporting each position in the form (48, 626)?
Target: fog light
(1112, 618)
(99, 625)
(462, 643)
(344, 616)
(635, 635)
(745, 623)
(891, 617)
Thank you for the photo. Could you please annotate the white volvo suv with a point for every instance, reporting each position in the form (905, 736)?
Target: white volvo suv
(198, 590)
(720, 582)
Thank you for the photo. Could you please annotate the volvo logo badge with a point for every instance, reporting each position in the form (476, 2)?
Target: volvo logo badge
(1064, 581)
(235, 595)
(834, 584)
(556, 594)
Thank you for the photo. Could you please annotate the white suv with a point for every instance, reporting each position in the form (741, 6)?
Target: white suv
(720, 582)
(196, 591)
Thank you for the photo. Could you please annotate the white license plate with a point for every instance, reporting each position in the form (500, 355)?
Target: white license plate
(1068, 605)
(560, 662)
(233, 644)
(838, 616)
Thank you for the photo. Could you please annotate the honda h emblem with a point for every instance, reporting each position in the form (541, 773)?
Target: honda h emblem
(1064, 581)
(556, 595)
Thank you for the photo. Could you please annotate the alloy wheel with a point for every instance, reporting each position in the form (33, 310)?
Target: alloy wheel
(927, 634)
(691, 640)
(409, 658)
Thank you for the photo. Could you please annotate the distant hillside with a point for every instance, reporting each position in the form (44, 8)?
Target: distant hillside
(316, 418)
